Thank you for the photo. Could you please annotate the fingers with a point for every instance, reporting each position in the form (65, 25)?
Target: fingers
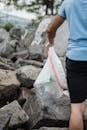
(48, 45)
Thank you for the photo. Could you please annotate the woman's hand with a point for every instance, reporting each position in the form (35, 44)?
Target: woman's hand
(48, 45)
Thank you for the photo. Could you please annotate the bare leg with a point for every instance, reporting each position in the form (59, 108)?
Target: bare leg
(76, 119)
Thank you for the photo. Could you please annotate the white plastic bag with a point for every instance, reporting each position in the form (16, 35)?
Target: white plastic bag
(52, 71)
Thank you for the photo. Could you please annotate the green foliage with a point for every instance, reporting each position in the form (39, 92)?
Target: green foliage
(8, 26)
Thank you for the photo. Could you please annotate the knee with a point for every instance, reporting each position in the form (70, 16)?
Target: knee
(77, 113)
(78, 109)
(76, 118)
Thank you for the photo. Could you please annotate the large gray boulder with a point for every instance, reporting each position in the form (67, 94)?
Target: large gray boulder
(40, 35)
(8, 47)
(36, 52)
(9, 85)
(21, 62)
(27, 75)
(27, 38)
(18, 115)
(16, 32)
(60, 41)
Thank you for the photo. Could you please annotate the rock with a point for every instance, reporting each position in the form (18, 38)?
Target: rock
(27, 38)
(40, 35)
(36, 52)
(8, 47)
(6, 64)
(53, 128)
(6, 67)
(48, 106)
(27, 75)
(21, 54)
(5, 49)
(15, 44)
(9, 85)
(16, 32)
(20, 62)
(19, 117)
(4, 37)
(4, 119)
(6, 61)
(60, 41)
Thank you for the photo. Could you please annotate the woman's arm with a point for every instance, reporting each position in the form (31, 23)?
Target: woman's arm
(53, 26)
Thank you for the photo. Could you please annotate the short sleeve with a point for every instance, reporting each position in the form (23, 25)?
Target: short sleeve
(61, 10)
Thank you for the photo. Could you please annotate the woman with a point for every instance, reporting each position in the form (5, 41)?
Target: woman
(75, 12)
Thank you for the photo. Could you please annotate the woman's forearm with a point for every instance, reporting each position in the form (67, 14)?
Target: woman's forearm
(53, 26)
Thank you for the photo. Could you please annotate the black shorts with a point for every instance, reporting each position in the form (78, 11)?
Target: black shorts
(76, 72)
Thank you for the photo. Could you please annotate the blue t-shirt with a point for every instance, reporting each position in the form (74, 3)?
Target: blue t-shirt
(75, 12)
